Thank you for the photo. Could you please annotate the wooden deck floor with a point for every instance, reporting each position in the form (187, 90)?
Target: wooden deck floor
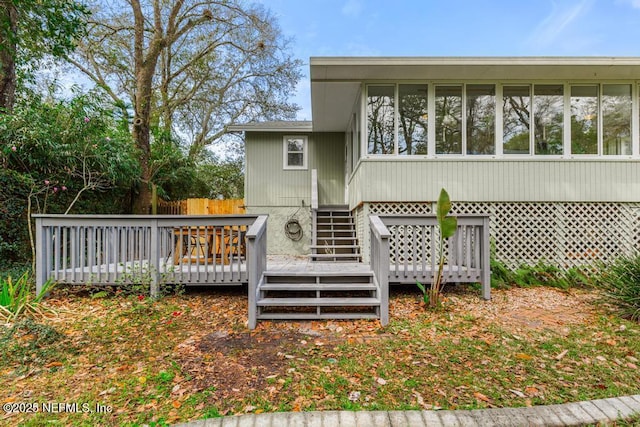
(301, 264)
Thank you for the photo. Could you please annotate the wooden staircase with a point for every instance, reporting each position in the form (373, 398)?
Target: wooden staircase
(318, 295)
(335, 236)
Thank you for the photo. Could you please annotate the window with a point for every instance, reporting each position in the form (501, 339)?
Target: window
(548, 114)
(380, 118)
(616, 119)
(448, 119)
(295, 152)
(516, 108)
(481, 119)
(413, 123)
(584, 119)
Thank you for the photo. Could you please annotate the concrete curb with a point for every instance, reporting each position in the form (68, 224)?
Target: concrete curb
(603, 411)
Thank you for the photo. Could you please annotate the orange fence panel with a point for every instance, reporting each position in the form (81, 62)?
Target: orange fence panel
(202, 207)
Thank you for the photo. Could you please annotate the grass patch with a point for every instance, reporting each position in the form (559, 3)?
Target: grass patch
(186, 357)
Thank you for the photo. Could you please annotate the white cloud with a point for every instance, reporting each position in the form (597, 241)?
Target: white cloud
(560, 19)
(633, 3)
(352, 8)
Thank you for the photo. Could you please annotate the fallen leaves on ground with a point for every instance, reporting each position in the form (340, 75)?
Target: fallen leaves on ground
(190, 356)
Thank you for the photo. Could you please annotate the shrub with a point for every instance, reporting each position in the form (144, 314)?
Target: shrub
(15, 297)
(621, 284)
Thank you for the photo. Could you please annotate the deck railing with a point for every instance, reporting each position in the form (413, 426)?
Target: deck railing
(409, 245)
(314, 207)
(380, 263)
(257, 263)
(147, 250)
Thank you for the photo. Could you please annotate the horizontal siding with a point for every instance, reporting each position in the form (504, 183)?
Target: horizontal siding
(328, 159)
(496, 180)
(268, 184)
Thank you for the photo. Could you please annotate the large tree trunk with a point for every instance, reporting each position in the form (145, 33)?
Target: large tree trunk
(145, 67)
(9, 20)
(142, 137)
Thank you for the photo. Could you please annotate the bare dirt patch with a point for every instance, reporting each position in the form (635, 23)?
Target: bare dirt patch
(236, 364)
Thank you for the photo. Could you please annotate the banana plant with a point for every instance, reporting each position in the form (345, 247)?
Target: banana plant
(447, 226)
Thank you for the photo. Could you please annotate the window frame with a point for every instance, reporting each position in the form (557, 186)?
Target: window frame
(286, 152)
(499, 84)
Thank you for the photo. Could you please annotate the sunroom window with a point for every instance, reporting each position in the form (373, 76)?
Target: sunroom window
(448, 119)
(616, 119)
(380, 119)
(584, 119)
(548, 113)
(295, 152)
(481, 119)
(516, 119)
(412, 122)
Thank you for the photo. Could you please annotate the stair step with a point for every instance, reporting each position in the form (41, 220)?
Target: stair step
(317, 302)
(337, 238)
(318, 287)
(337, 255)
(309, 316)
(321, 274)
(334, 208)
(334, 246)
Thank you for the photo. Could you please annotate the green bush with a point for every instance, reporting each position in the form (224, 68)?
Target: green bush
(540, 274)
(621, 284)
(15, 296)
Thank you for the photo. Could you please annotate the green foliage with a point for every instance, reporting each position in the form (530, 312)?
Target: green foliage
(55, 154)
(28, 342)
(447, 226)
(621, 284)
(44, 26)
(425, 292)
(540, 274)
(15, 296)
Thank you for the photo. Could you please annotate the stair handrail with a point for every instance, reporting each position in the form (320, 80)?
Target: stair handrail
(314, 206)
(256, 263)
(379, 257)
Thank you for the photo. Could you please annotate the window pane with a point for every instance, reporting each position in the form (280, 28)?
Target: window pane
(481, 118)
(295, 145)
(516, 103)
(295, 159)
(449, 119)
(412, 135)
(380, 111)
(616, 119)
(548, 114)
(584, 119)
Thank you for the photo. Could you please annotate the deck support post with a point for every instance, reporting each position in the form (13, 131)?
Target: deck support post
(154, 262)
(256, 265)
(486, 260)
(41, 257)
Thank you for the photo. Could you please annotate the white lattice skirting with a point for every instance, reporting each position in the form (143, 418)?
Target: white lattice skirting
(564, 234)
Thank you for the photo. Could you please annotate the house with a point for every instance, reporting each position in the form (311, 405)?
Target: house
(541, 156)
(547, 146)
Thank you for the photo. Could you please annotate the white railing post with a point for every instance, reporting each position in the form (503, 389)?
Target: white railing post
(256, 264)
(380, 263)
(314, 207)
(41, 257)
(154, 261)
(485, 253)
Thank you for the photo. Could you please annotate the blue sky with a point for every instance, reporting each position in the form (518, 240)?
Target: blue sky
(455, 28)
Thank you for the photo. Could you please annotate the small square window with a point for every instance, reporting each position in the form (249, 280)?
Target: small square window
(295, 152)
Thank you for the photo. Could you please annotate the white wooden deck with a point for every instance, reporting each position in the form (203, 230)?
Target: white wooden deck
(301, 264)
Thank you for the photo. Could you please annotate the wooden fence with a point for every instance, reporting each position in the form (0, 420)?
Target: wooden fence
(202, 207)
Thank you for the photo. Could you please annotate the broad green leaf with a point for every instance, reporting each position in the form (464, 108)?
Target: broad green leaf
(444, 205)
(448, 226)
